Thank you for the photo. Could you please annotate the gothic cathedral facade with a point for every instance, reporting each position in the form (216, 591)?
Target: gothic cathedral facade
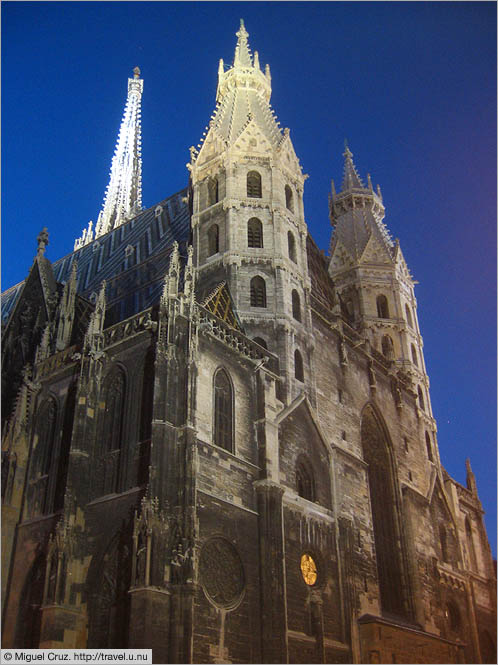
(218, 441)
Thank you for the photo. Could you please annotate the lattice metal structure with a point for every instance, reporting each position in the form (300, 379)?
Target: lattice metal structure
(123, 197)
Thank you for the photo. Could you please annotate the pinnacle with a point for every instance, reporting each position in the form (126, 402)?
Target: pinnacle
(351, 179)
(242, 53)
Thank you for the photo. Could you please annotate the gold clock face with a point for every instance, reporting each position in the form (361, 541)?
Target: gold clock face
(308, 569)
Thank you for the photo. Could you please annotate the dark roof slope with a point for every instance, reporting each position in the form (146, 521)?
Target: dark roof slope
(132, 258)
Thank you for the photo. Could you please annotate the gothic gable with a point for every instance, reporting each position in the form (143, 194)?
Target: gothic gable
(252, 140)
(303, 452)
(375, 252)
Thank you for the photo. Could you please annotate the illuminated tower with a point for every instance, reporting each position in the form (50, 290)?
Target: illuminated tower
(248, 218)
(375, 284)
(123, 197)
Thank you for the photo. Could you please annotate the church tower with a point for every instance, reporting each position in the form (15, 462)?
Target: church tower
(248, 220)
(123, 196)
(375, 284)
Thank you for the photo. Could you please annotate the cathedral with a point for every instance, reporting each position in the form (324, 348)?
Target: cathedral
(218, 440)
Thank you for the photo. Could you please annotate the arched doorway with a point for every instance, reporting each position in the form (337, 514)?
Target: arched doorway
(108, 582)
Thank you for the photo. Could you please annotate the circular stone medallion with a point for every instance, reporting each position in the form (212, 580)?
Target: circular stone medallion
(308, 569)
(221, 573)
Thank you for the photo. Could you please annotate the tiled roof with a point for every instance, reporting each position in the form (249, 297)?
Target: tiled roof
(132, 258)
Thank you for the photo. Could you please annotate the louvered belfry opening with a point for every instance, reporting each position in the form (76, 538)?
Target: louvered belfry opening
(254, 233)
(258, 292)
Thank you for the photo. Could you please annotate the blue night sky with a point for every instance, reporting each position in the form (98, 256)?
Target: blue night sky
(411, 85)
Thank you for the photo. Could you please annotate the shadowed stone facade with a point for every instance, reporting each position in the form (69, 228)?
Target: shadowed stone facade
(218, 441)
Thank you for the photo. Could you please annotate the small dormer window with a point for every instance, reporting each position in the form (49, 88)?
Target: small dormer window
(129, 250)
(158, 211)
(253, 185)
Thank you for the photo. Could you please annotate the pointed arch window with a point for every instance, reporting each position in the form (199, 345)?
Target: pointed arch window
(443, 543)
(258, 292)
(296, 305)
(298, 366)
(385, 512)
(421, 402)
(428, 446)
(254, 233)
(107, 475)
(41, 461)
(453, 617)
(388, 347)
(223, 411)
(414, 355)
(409, 319)
(254, 185)
(382, 307)
(212, 191)
(213, 240)
(305, 482)
(470, 545)
(289, 200)
(291, 242)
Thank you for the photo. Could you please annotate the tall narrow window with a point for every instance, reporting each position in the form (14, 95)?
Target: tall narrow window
(470, 545)
(212, 191)
(213, 240)
(428, 445)
(443, 542)
(254, 233)
(305, 483)
(258, 292)
(296, 305)
(382, 307)
(223, 411)
(289, 203)
(385, 512)
(254, 185)
(41, 461)
(298, 366)
(292, 247)
(387, 347)
(421, 402)
(409, 319)
(414, 356)
(107, 472)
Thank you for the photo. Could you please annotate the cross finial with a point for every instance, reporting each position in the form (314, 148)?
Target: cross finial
(136, 72)
(42, 240)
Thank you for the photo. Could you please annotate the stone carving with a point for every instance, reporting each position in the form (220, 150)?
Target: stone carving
(221, 573)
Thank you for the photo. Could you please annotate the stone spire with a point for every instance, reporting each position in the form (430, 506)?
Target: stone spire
(123, 197)
(243, 96)
(242, 51)
(357, 214)
(351, 179)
